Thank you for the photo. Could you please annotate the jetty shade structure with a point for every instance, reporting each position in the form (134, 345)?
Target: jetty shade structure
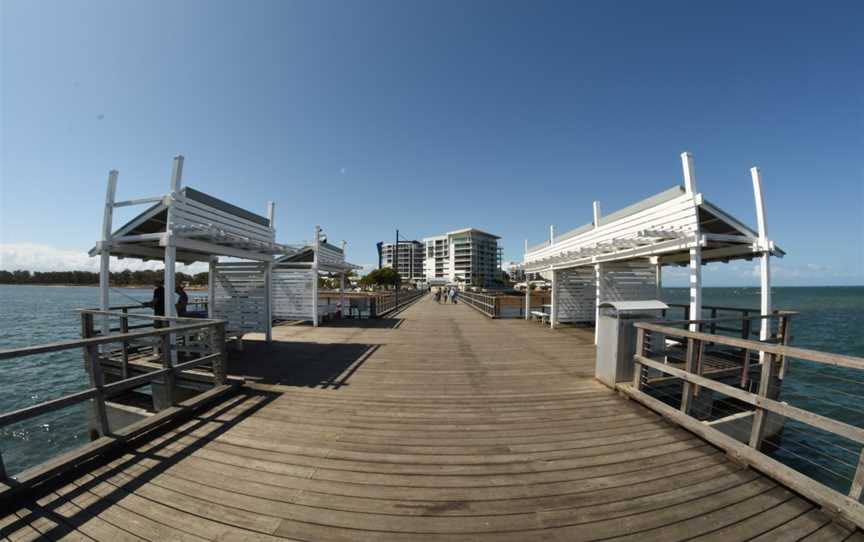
(295, 280)
(619, 257)
(186, 225)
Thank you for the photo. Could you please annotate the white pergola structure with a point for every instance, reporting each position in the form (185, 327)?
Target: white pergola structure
(187, 226)
(620, 256)
(295, 279)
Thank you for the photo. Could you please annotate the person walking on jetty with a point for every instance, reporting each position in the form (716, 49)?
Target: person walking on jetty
(453, 295)
(444, 295)
(436, 295)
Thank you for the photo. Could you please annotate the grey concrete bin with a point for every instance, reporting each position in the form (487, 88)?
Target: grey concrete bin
(616, 337)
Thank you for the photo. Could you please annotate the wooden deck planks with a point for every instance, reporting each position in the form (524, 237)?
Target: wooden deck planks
(447, 426)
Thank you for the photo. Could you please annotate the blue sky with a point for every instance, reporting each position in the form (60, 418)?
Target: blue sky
(365, 116)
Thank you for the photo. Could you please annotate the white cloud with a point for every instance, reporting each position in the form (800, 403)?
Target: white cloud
(34, 257)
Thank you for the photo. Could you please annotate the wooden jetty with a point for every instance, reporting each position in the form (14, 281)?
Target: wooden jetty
(435, 424)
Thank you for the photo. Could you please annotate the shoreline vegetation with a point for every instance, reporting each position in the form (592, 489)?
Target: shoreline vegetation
(191, 287)
(120, 279)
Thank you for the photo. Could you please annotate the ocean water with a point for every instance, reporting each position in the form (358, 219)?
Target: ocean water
(831, 319)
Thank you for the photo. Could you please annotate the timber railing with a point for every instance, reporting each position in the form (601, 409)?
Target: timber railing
(737, 321)
(487, 304)
(198, 343)
(381, 304)
(830, 444)
(504, 305)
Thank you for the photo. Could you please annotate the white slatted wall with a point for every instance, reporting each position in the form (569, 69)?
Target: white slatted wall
(240, 296)
(628, 281)
(576, 294)
(292, 293)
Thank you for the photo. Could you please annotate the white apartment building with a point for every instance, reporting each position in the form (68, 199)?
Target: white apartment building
(409, 261)
(468, 256)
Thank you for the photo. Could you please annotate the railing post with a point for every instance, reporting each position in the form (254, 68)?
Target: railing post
(858, 481)
(124, 329)
(745, 326)
(86, 325)
(217, 346)
(785, 338)
(758, 430)
(2, 468)
(640, 350)
(690, 367)
(745, 368)
(94, 371)
(700, 351)
(94, 368)
(713, 322)
(166, 364)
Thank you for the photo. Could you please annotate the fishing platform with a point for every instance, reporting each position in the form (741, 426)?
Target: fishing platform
(444, 422)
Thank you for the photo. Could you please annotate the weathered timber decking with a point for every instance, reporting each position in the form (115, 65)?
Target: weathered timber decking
(437, 424)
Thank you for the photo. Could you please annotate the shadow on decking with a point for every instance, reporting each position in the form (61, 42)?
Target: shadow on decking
(301, 364)
(362, 323)
(108, 486)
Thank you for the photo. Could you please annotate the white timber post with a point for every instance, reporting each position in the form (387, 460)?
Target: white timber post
(689, 173)
(597, 271)
(342, 284)
(105, 250)
(695, 286)
(553, 311)
(765, 271)
(171, 249)
(598, 295)
(211, 287)
(527, 285)
(315, 246)
(695, 251)
(268, 280)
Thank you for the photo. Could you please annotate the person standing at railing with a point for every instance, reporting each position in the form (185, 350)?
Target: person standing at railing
(182, 300)
(158, 302)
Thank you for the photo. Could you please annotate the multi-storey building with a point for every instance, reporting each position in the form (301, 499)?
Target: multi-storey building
(468, 256)
(436, 265)
(409, 259)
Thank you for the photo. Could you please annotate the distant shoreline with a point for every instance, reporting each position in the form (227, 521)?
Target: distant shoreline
(142, 286)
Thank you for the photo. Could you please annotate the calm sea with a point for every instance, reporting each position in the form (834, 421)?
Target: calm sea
(830, 319)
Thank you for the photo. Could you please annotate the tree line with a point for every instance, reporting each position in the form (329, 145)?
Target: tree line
(88, 278)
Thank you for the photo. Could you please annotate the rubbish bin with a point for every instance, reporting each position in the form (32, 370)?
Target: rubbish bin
(616, 337)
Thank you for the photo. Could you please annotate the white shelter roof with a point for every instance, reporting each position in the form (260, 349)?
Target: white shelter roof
(202, 226)
(331, 259)
(663, 227)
